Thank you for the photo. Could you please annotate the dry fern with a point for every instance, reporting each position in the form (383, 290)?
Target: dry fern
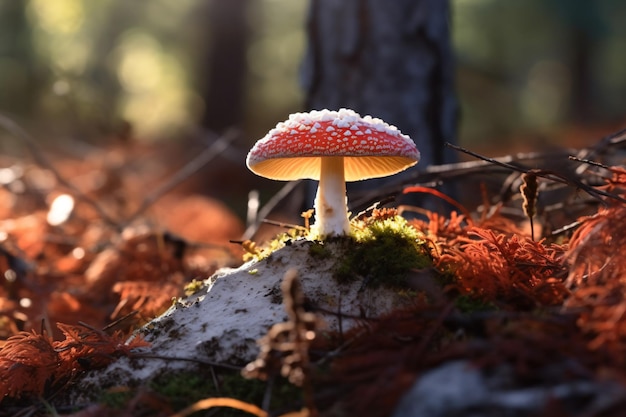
(32, 363)
(507, 269)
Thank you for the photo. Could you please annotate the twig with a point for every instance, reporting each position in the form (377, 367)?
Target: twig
(607, 141)
(189, 169)
(269, 206)
(119, 320)
(434, 175)
(588, 162)
(549, 175)
(44, 162)
(566, 228)
(284, 225)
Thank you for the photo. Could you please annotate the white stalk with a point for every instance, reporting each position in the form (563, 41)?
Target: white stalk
(331, 211)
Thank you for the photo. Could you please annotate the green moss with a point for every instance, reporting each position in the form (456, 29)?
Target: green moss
(280, 241)
(116, 398)
(382, 252)
(470, 304)
(185, 388)
(319, 251)
(193, 287)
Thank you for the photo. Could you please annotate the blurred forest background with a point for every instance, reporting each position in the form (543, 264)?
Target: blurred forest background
(82, 69)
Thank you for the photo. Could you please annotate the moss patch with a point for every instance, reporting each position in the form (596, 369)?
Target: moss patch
(116, 398)
(470, 304)
(382, 252)
(185, 388)
(253, 252)
(193, 287)
(319, 251)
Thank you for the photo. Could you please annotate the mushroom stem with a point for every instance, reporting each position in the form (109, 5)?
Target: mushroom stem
(331, 211)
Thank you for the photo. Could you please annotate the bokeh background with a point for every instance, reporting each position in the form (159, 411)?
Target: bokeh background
(539, 69)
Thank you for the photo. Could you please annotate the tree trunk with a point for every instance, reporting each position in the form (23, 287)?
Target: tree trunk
(388, 58)
(19, 85)
(225, 63)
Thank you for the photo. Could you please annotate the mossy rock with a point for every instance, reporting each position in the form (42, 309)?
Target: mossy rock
(382, 252)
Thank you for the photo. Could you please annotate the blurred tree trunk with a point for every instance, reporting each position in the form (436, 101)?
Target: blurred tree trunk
(225, 63)
(585, 27)
(391, 59)
(17, 65)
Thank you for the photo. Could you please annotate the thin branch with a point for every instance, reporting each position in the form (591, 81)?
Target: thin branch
(612, 139)
(17, 131)
(185, 172)
(588, 162)
(549, 175)
(268, 207)
(284, 225)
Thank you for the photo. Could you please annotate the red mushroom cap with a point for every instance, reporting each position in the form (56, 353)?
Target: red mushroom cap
(371, 148)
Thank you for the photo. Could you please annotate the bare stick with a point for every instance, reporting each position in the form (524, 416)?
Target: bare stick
(44, 162)
(549, 175)
(193, 166)
(588, 162)
(269, 206)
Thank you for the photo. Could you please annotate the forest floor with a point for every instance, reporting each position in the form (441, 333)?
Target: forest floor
(526, 275)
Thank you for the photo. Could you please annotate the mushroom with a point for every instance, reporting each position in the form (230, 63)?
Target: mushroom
(332, 147)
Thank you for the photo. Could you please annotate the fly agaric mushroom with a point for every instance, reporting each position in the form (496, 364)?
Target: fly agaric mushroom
(332, 147)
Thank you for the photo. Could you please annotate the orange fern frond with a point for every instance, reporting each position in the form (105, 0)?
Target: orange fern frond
(83, 343)
(32, 362)
(507, 268)
(27, 362)
(146, 296)
(598, 248)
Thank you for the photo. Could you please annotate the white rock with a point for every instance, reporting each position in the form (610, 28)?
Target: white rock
(222, 322)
